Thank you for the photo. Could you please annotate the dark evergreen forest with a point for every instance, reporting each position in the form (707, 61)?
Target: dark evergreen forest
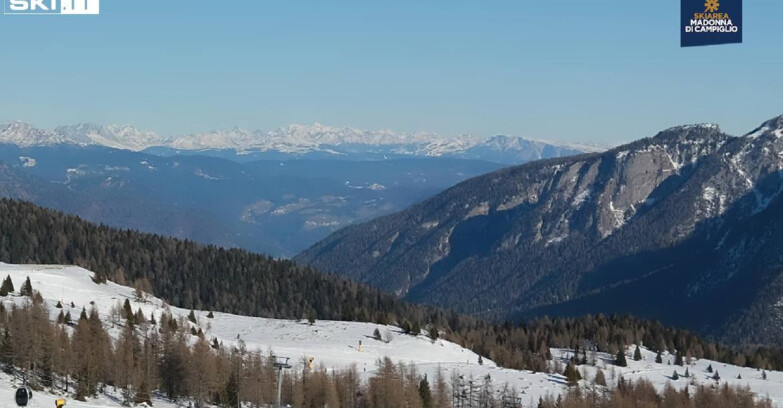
(191, 275)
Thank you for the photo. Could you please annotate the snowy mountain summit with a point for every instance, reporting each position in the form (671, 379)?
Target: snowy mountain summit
(297, 140)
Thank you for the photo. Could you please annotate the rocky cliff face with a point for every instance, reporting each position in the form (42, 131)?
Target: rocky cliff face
(664, 227)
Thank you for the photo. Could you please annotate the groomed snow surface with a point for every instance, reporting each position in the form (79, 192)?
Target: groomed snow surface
(335, 345)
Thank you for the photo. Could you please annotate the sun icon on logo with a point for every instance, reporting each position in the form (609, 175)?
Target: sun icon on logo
(711, 6)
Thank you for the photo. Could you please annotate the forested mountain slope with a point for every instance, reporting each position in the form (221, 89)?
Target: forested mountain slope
(684, 227)
(190, 275)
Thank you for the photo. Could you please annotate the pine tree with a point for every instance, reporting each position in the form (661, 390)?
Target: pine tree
(709, 369)
(210, 315)
(763, 375)
(59, 305)
(620, 358)
(600, 379)
(376, 334)
(192, 316)
(687, 373)
(716, 377)
(678, 358)
(575, 357)
(128, 311)
(232, 390)
(27, 288)
(406, 327)
(480, 360)
(675, 376)
(425, 393)
(637, 354)
(138, 318)
(739, 376)
(433, 332)
(7, 287)
(572, 374)
(659, 358)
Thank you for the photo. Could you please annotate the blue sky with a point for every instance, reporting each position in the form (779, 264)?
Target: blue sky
(605, 71)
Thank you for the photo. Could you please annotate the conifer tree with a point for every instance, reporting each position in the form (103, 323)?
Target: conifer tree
(619, 359)
(192, 316)
(231, 391)
(7, 287)
(128, 311)
(433, 332)
(675, 376)
(637, 354)
(425, 393)
(709, 368)
(406, 327)
(138, 318)
(600, 379)
(572, 374)
(27, 288)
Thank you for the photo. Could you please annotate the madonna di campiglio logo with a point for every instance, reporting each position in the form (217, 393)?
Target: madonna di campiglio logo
(710, 22)
(711, 6)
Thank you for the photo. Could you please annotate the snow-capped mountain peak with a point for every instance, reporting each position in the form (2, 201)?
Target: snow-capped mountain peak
(296, 139)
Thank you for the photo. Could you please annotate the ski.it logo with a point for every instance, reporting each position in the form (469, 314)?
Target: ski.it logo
(51, 6)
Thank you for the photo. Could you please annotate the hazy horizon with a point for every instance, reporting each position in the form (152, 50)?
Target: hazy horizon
(562, 71)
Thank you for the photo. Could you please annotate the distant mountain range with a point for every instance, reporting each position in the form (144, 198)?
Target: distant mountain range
(273, 192)
(294, 141)
(275, 207)
(685, 227)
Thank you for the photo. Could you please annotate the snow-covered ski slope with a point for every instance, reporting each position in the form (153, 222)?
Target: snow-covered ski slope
(335, 344)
